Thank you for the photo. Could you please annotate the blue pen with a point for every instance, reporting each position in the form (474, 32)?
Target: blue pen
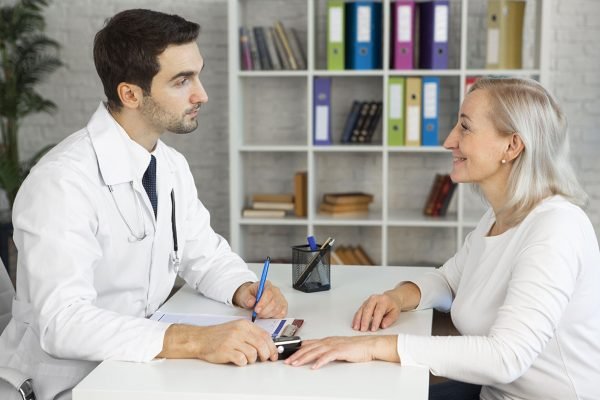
(261, 285)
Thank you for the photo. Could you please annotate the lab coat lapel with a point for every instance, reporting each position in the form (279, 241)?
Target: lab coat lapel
(120, 159)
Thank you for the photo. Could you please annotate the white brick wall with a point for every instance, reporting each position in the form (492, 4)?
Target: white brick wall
(575, 62)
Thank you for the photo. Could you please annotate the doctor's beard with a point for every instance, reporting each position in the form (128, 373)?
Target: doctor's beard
(156, 115)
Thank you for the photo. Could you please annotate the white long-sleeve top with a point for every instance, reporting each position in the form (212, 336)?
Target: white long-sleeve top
(85, 284)
(527, 305)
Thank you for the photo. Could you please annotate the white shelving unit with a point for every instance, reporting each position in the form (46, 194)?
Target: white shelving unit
(273, 143)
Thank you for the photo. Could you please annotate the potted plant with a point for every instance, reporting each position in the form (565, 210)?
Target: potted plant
(27, 57)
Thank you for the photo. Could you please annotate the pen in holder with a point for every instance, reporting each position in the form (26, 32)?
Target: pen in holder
(311, 269)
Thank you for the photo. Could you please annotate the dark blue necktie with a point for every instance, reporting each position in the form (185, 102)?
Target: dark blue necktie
(149, 182)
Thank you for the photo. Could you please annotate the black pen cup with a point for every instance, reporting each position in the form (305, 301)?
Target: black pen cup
(311, 269)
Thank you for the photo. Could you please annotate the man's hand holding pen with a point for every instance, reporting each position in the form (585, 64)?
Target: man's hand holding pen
(272, 304)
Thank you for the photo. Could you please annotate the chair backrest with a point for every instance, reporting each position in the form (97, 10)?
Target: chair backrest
(7, 292)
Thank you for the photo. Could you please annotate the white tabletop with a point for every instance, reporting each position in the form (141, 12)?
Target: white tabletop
(324, 313)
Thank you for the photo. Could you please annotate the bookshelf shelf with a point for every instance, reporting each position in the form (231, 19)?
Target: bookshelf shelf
(271, 136)
(272, 149)
(273, 221)
(505, 72)
(273, 74)
(348, 148)
(415, 149)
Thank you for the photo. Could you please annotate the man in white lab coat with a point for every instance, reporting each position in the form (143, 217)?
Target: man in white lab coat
(109, 217)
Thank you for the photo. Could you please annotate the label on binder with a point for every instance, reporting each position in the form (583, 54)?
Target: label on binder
(322, 125)
(493, 45)
(413, 131)
(440, 33)
(335, 25)
(430, 103)
(363, 34)
(396, 105)
(404, 24)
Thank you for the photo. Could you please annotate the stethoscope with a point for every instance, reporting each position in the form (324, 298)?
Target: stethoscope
(138, 237)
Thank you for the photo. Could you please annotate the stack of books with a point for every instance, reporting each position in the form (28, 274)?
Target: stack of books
(278, 205)
(362, 120)
(439, 197)
(345, 204)
(271, 48)
(270, 205)
(350, 255)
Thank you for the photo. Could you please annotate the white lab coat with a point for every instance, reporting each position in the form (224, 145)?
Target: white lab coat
(85, 286)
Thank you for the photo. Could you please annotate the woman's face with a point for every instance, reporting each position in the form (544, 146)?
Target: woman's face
(477, 147)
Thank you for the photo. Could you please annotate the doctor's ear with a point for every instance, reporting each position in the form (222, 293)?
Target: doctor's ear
(130, 94)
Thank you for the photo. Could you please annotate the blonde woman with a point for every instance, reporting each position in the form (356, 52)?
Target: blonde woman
(524, 290)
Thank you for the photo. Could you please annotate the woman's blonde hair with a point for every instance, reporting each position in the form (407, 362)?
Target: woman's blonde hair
(524, 107)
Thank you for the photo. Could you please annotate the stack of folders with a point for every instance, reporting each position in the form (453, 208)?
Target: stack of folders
(354, 35)
(271, 48)
(505, 33)
(345, 204)
(439, 197)
(413, 111)
(350, 255)
(420, 34)
(361, 122)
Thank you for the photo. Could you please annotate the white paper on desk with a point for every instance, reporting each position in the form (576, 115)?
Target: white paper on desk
(273, 326)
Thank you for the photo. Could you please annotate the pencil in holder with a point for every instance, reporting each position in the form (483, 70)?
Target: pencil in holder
(311, 269)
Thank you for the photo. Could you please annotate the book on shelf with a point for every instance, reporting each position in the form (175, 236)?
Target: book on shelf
(273, 197)
(368, 129)
(300, 194)
(433, 191)
(351, 121)
(297, 50)
(335, 258)
(270, 40)
(245, 56)
(254, 213)
(283, 36)
(347, 198)
(439, 196)
(285, 61)
(444, 197)
(253, 50)
(261, 45)
(328, 207)
(351, 255)
(274, 47)
(360, 121)
(272, 205)
(362, 255)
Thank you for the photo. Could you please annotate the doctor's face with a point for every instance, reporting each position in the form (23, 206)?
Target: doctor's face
(176, 93)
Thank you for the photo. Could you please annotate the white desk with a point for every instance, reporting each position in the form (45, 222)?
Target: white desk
(324, 313)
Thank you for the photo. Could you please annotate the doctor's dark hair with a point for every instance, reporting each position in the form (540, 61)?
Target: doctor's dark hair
(127, 48)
